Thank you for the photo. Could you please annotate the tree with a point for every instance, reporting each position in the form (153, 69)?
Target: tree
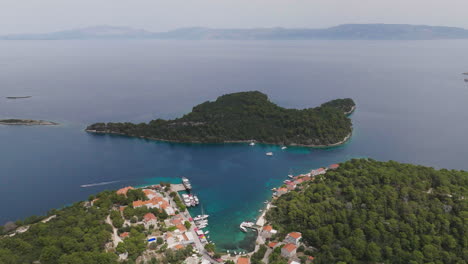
(187, 225)
(210, 247)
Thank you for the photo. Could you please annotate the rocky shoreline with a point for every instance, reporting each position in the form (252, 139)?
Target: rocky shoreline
(225, 142)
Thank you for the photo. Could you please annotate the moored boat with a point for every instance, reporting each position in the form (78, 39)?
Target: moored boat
(186, 183)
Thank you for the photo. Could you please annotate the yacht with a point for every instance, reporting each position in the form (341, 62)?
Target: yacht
(269, 153)
(200, 217)
(186, 183)
(252, 144)
(284, 147)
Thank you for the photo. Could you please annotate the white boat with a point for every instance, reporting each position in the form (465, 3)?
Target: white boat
(269, 153)
(196, 199)
(207, 232)
(291, 176)
(284, 148)
(252, 144)
(186, 183)
(200, 217)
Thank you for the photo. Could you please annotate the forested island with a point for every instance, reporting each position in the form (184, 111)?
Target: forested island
(379, 212)
(246, 116)
(27, 122)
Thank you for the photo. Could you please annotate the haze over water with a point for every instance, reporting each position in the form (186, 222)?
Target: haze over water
(411, 107)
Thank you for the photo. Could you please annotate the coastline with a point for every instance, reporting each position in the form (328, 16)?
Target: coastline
(350, 111)
(227, 142)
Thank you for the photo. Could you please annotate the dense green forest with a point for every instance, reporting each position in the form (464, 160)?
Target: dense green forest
(77, 234)
(246, 116)
(380, 212)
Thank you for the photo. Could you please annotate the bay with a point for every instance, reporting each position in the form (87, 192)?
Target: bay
(410, 95)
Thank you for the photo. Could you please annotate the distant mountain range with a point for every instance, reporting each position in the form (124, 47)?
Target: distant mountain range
(344, 32)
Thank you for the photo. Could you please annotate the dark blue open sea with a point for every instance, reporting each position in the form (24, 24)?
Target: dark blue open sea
(412, 107)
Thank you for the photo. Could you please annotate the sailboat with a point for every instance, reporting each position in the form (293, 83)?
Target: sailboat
(202, 216)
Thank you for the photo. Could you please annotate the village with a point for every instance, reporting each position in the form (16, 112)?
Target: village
(180, 232)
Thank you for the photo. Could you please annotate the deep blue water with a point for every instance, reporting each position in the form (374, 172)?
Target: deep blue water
(412, 107)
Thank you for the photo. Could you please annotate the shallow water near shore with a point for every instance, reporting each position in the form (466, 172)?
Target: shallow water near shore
(410, 95)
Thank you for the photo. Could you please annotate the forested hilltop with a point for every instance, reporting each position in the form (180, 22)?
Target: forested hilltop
(380, 212)
(247, 116)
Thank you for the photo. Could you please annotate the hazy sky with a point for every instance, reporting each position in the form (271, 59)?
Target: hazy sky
(31, 16)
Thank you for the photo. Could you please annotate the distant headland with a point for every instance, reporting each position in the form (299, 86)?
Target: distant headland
(18, 97)
(26, 122)
(247, 117)
(340, 32)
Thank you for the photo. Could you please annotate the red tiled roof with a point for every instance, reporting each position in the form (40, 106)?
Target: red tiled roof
(310, 257)
(243, 260)
(320, 169)
(125, 190)
(334, 166)
(149, 216)
(295, 235)
(268, 228)
(124, 234)
(181, 228)
(272, 244)
(179, 246)
(290, 247)
(139, 203)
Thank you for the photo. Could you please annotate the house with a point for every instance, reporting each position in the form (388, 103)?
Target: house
(293, 238)
(150, 193)
(268, 231)
(150, 219)
(124, 234)
(139, 203)
(281, 191)
(290, 185)
(310, 258)
(181, 228)
(178, 246)
(156, 202)
(289, 250)
(272, 244)
(124, 190)
(334, 166)
(318, 171)
(243, 260)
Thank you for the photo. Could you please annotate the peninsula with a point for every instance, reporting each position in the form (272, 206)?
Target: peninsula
(366, 211)
(27, 122)
(18, 97)
(246, 117)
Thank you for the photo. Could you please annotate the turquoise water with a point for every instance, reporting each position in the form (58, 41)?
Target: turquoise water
(410, 95)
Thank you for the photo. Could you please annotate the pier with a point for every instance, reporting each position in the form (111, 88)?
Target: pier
(177, 187)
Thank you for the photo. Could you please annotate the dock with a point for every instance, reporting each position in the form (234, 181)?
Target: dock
(177, 187)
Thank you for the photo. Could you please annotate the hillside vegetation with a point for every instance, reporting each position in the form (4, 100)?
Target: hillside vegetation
(246, 116)
(380, 212)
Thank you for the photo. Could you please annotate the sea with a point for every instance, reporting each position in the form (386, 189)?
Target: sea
(412, 106)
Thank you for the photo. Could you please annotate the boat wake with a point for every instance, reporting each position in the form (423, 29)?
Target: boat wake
(97, 184)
